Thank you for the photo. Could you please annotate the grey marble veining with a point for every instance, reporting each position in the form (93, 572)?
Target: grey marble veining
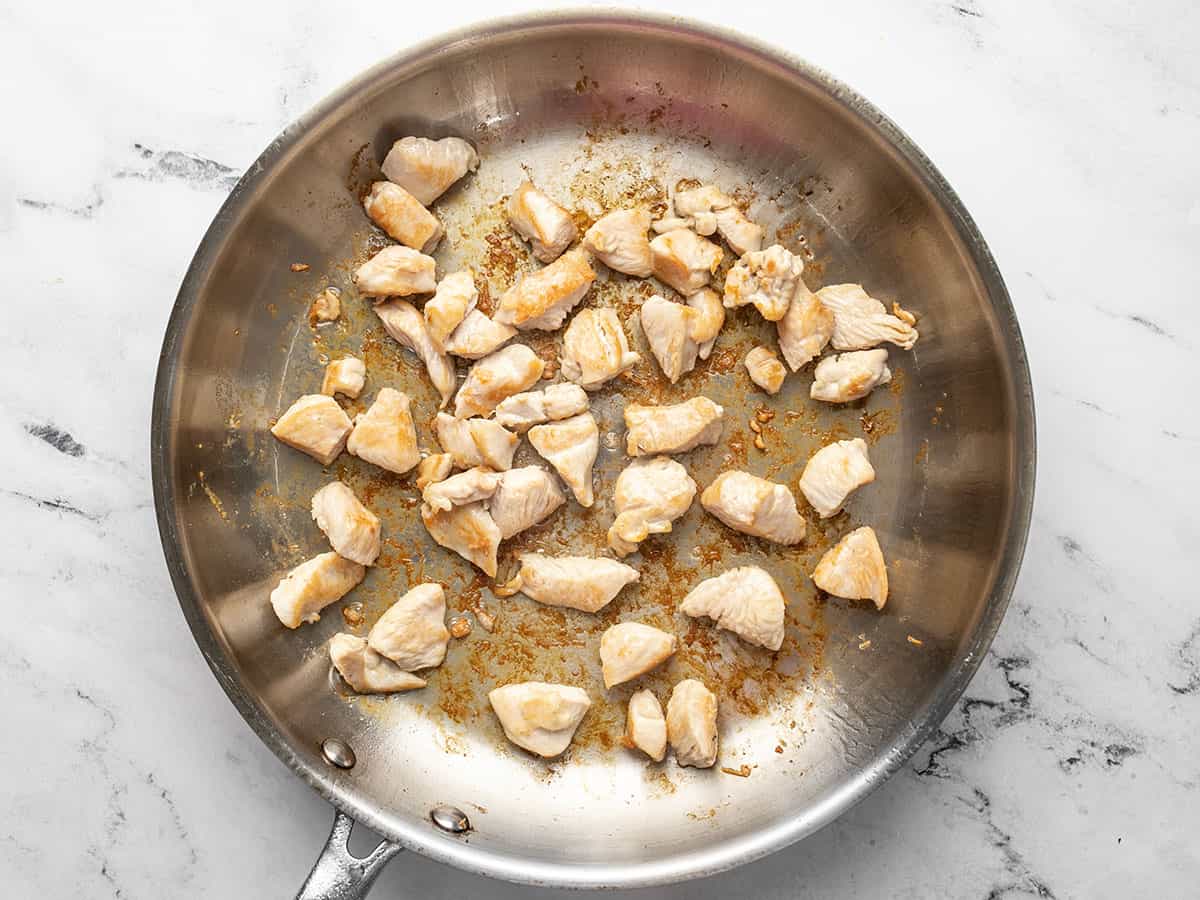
(1070, 130)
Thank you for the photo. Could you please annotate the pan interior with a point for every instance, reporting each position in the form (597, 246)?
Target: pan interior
(600, 114)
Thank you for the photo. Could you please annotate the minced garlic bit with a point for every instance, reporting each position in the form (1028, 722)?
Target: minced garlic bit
(755, 427)
(300, 267)
(742, 771)
(864, 645)
(460, 626)
(917, 641)
(485, 620)
(758, 442)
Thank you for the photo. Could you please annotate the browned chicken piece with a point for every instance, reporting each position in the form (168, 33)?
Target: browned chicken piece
(595, 349)
(327, 306)
(755, 506)
(667, 326)
(525, 497)
(651, 493)
(854, 569)
(692, 724)
(315, 425)
(570, 445)
(495, 378)
(861, 322)
(542, 299)
(850, 376)
(477, 336)
(834, 472)
(412, 632)
(344, 376)
(765, 369)
(706, 321)
(645, 725)
(805, 329)
(559, 401)
(466, 487)
(406, 325)
(618, 239)
(577, 582)
(385, 434)
(434, 468)
(402, 216)
(630, 649)
(467, 530)
(677, 428)
(541, 221)
(540, 717)
(745, 600)
(476, 442)
(352, 529)
(426, 168)
(396, 271)
(445, 310)
(684, 260)
(766, 278)
(312, 586)
(366, 671)
(709, 209)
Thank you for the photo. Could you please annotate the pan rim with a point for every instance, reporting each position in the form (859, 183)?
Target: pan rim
(731, 853)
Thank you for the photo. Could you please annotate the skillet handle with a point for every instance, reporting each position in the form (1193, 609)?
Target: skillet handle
(338, 875)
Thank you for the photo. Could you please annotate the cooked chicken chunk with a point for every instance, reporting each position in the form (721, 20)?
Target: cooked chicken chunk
(707, 319)
(755, 506)
(667, 327)
(445, 310)
(402, 216)
(570, 445)
(543, 298)
(850, 376)
(595, 349)
(767, 278)
(412, 633)
(478, 336)
(651, 493)
(476, 442)
(618, 239)
(425, 168)
(405, 324)
(525, 497)
(765, 369)
(312, 586)
(577, 582)
(396, 271)
(853, 568)
(326, 307)
(630, 649)
(434, 468)
(672, 429)
(709, 209)
(344, 376)
(467, 530)
(805, 329)
(540, 717)
(315, 425)
(861, 322)
(559, 401)
(645, 725)
(833, 473)
(385, 435)
(465, 487)
(692, 724)
(352, 529)
(541, 221)
(494, 378)
(684, 260)
(366, 671)
(745, 600)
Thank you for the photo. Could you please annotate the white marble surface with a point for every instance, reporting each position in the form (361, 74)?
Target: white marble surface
(1071, 132)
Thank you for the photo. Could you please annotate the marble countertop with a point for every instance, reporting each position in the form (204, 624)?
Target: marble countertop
(1069, 130)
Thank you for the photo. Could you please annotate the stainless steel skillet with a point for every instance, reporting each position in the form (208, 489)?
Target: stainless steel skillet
(601, 108)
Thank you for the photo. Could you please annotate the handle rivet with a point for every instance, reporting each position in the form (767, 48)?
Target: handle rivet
(338, 753)
(451, 819)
